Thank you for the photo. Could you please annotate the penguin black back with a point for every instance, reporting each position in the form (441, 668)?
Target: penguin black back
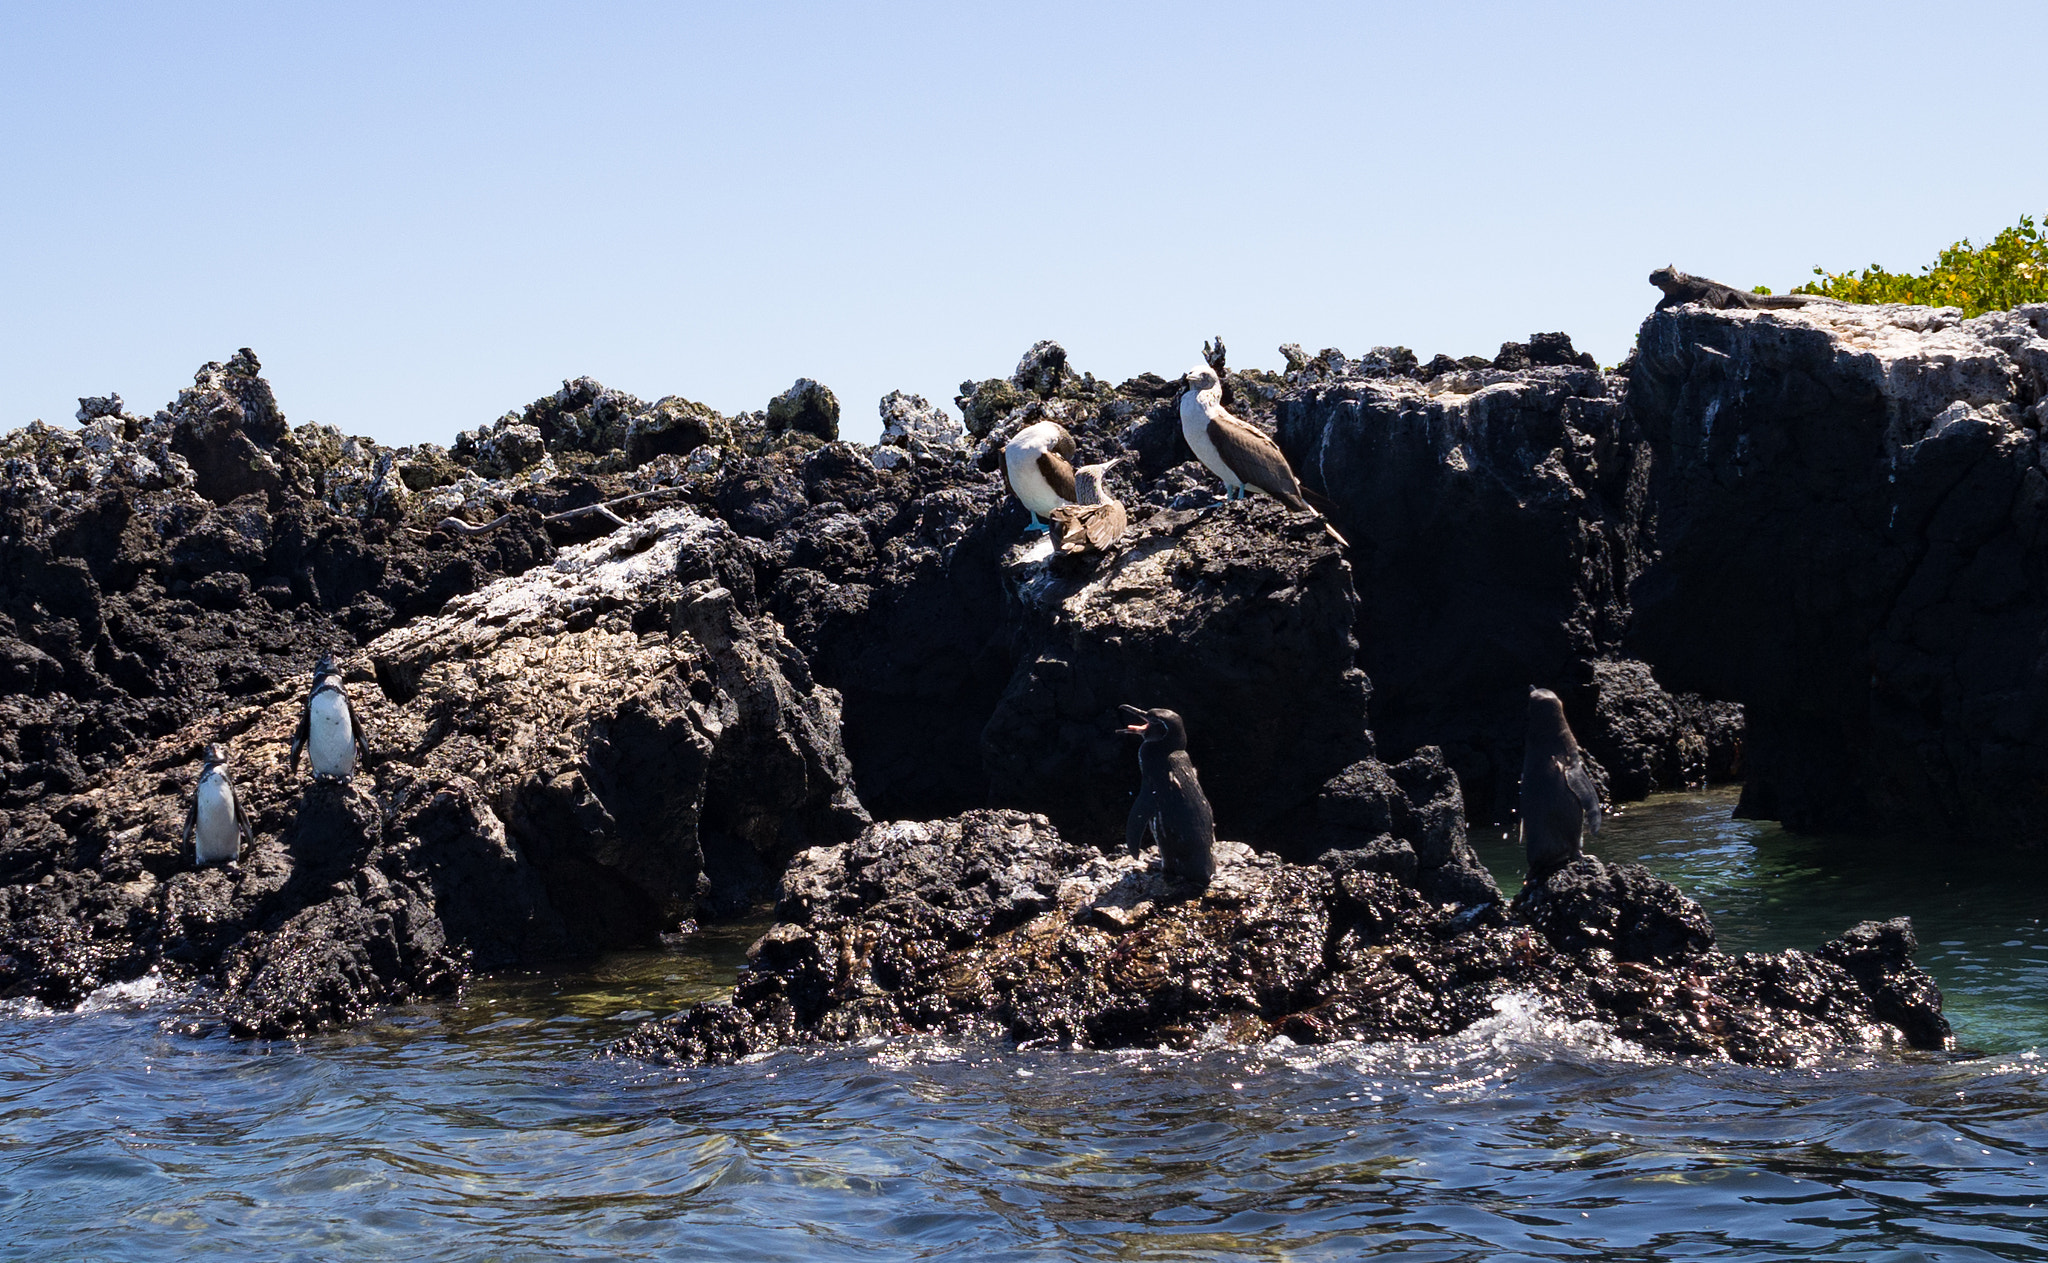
(1170, 803)
(1558, 801)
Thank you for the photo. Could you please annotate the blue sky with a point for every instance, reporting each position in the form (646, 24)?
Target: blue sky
(421, 216)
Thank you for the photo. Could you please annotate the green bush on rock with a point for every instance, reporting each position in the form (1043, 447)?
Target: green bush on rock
(2010, 270)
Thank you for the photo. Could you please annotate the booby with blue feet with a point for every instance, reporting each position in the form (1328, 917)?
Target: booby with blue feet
(215, 823)
(328, 729)
(1037, 469)
(1236, 452)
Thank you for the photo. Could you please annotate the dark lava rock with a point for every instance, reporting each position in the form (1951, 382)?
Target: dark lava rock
(1622, 909)
(1239, 619)
(990, 924)
(806, 407)
(1854, 528)
(1646, 739)
(1494, 518)
(575, 758)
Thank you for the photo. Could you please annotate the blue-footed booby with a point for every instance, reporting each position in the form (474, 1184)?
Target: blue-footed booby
(1236, 452)
(1037, 472)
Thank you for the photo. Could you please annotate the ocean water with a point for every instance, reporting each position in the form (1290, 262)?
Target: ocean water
(488, 1128)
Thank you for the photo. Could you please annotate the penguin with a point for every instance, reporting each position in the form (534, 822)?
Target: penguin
(1558, 799)
(328, 729)
(1170, 801)
(1095, 520)
(1235, 452)
(1037, 472)
(215, 816)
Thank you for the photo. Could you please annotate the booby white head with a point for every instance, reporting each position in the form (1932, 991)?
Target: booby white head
(1238, 453)
(1096, 519)
(1035, 464)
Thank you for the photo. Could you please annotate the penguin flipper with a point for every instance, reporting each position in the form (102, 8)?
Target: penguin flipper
(191, 817)
(355, 726)
(1584, 790)
(241, 815)
(299, 735)
(1140, 820)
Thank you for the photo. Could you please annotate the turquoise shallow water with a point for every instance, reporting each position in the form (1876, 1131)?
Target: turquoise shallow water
(486, 1128)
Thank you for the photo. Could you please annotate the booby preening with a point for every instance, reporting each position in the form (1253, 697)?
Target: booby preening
(1170, 804)
(1236, 452)
(328, 729)
(216, 824)
(1095, 520)
(1037, 470)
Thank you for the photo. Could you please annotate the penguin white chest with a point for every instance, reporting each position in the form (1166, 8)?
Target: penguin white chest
(1029, 483)
(215, 837)
(1194, 427)
(330, 737)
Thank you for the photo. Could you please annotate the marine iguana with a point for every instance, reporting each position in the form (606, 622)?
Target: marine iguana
(1680, 288)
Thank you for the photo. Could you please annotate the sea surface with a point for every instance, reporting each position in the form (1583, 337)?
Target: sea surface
(489, 1128)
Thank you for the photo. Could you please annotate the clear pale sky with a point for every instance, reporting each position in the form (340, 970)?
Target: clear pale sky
(422, 216)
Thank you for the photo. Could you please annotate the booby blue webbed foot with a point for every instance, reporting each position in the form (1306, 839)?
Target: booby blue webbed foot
(1037, 526)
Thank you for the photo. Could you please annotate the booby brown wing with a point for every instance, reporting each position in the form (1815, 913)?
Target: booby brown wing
(1058, 475)
(1257, 460)
(1078, 528)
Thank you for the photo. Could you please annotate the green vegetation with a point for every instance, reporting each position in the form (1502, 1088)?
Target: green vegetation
(2011, 269)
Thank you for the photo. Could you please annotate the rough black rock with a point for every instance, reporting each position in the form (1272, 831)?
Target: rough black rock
(1497, 516)
(1853, 523)
(990, 924)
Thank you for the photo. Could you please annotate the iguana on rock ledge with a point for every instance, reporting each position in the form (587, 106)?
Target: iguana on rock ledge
(1680, 288)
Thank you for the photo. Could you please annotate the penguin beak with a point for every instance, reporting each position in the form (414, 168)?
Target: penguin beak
(1140, 720)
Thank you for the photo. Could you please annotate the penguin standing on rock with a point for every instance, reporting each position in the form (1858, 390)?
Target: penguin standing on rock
(1558, 799)
(1170, 801)
(215, 823)
(328, 730)
(1235, 452)
(1037, 470)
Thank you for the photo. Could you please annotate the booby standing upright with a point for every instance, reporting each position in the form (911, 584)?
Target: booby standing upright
(1235, 452)
(1096, 519)
(328, 730)
(1558, 800)
(215, 818)
(1170, 801)
(1036, 469)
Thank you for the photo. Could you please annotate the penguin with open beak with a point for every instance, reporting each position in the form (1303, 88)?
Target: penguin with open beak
(1170, 804)
(328, 729)
(216, 824)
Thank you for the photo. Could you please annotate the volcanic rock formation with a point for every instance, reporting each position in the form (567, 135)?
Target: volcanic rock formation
(1853, 526)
